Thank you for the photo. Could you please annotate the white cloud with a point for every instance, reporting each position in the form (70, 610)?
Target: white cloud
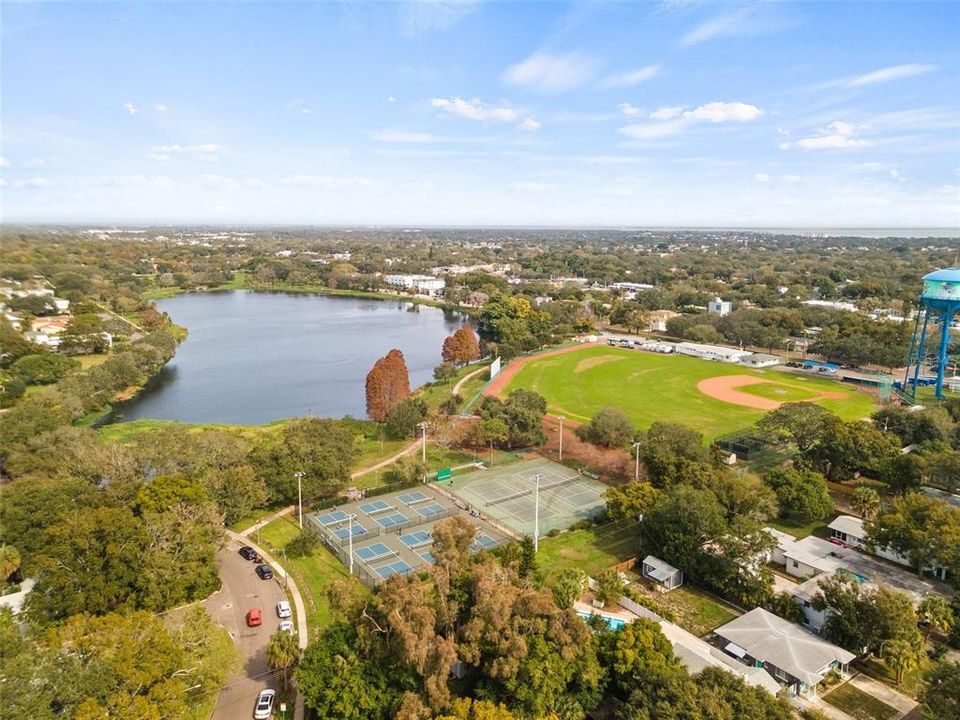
(131, 108)
(666, 113)
(327, 182)
(529, 124)
(34, 163)
(400, 136)
(550, 73)
(160, 107)
(630, 110)
(209, 152)
(532, 187)
(300, 106)
(792, 178)
(421, 16)
(3, 183)
(630, 78)
(673, 120)
(38, 182)
(391, 99)
(836, 136)
(762, 177)
(475, 110)
(745, 21)
(896, 72)
(4, 162)
(156, 182)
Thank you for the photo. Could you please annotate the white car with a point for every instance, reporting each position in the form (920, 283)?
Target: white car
(264, 707)
(283, 609)
(286, 626)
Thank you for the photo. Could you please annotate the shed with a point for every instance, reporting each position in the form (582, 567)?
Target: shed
(665, 575)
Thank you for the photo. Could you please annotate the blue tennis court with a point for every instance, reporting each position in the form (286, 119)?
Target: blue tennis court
(416, 539)
(431, 510)
(396, 568)
(375, 506)
(427, 556)
(484, 542)
(343, 533)
(412, 497)
(332, 518)
(388, 521)
(372, 552)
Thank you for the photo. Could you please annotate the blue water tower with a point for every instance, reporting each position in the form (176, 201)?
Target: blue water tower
(939, 302)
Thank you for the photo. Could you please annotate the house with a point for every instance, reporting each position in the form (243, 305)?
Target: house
(712, 352)
(760, 360)
(719, 307)
(423, 284)
(850, 531)
(812, 558)
(794, 657)
(663, 574)
(658, 320)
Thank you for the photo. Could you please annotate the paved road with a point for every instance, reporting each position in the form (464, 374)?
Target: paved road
(242, 590)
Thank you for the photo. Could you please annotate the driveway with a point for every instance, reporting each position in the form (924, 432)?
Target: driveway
(242, 590)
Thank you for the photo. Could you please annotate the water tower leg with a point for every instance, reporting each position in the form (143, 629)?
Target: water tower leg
(921, 351)
(944, 343)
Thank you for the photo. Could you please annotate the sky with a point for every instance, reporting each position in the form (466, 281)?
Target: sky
(455, 112)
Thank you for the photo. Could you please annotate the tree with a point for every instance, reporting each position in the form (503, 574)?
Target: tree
(444, 372)
(641, 653)
(9, 561)
(609, 427)
(936, 615)
(236, 490)
(403, 418)
(83, 335)
(491, 431)
(609, 587)
(630, 499)
(568, 586)
(846, 449)
(800, 492)
(926, 530)
(461, 347)
(388, 382)
(866, 502)
(941, 699)
(802, 423)
(406, 471)
(283, 652)
(43, 368)
(904, 655)
(15, 345)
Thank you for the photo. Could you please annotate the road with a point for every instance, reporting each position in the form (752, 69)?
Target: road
(242, 590)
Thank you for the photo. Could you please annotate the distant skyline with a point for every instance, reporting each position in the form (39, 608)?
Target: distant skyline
(452, 112)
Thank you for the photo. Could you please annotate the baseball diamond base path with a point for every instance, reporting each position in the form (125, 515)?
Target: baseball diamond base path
(506, 375)
(724, 387)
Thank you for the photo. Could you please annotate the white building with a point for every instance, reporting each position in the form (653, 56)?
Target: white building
(423, 284)
(849, 307)
(719, 307)
(760, 360)
(712, 352)
(850, 531)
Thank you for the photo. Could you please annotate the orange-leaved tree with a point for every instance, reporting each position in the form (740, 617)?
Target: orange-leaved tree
(461, 347)
(388, 382)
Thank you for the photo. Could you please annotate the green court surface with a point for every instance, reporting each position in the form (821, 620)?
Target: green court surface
(650, 387)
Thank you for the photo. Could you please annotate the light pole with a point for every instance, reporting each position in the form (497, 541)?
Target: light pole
(562, 418)
(636, 468)
(350, 540)
(536, 514)
(299, 476)
(423, 448)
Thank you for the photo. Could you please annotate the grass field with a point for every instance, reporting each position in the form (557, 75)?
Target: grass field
(650, 387)
(695, 611)
(590, 550)
(857, 704)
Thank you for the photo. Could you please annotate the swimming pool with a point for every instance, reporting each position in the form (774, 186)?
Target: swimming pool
(612, 622)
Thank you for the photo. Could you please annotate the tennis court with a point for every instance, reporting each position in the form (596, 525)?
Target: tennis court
(509, 494)
(393, 533)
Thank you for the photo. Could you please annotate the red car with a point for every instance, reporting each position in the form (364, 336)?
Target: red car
(254, 618)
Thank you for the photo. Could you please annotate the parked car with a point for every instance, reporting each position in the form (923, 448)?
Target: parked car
(248, 553)
(264, 707)
(286, 626)
(254, 617)
(264, 572)
(283, 609)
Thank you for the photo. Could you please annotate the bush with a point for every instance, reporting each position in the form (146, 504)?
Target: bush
(402, 420)
(303, 544)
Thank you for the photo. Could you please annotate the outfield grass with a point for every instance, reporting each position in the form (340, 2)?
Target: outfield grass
(857, 704)
(313, 573)
(651, 387)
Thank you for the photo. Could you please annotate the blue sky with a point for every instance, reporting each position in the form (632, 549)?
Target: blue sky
(685, 113)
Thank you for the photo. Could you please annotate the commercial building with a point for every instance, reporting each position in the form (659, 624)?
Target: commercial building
(422, 284)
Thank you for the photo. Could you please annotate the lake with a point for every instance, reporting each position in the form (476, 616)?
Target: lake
(254, 357)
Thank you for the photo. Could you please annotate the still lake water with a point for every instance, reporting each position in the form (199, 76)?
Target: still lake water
(255, 357)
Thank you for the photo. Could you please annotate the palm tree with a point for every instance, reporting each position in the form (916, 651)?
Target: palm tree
(866, 502)
(904, 654)
(283, 652)
(937, 613)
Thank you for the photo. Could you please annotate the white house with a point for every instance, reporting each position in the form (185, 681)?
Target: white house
(712, 352)
(719, 307)
(850, 531)
(423, 284)
(760, 360)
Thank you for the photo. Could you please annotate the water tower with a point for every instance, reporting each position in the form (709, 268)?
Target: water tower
(939, 302)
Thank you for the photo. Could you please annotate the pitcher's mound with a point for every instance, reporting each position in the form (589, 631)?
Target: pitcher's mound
(724, 387)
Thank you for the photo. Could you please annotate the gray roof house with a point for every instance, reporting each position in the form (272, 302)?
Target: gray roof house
(791, 655)
(665, 575)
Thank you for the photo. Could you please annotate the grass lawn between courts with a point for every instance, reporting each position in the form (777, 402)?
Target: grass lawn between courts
(313, 573)
(590, 550)
(649, 387)
(857, 704)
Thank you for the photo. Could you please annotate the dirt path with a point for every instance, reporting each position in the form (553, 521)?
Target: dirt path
(724, 387)
(463, 380)
(506, 375)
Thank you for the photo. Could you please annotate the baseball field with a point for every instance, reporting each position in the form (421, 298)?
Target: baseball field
(714, 398)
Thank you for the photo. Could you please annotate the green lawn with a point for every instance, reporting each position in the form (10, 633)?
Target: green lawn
(313, 573)
(801, 529)
(590, 550)
(695, 611)
(651, 387)
(857, 704)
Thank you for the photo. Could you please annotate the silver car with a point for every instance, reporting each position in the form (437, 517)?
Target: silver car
(264, 706)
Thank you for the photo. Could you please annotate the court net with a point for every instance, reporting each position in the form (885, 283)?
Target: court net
(530, 491)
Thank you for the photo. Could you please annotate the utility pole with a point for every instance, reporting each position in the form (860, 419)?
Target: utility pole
(350, 541)
(636, 469)
(299, 476)
(536, 514)
(562, 418)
